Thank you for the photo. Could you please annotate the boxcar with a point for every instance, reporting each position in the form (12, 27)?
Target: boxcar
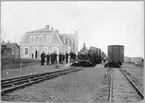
(116, 54)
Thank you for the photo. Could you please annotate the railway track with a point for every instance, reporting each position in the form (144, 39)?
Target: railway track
(9, 85)
(122, 89)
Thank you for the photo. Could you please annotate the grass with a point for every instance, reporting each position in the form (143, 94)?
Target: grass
(17, 63)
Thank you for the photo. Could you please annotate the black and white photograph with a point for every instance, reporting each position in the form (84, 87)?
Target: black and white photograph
(72, 51)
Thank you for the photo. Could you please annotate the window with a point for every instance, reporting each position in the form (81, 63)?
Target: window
(64, 39)
(40, 39)
(26, 51)
(68, 41)
(48, 39)
(32, 39)
(12, 52)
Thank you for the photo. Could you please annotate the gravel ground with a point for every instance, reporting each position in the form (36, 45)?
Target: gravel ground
(122, 89)
(88, 85)
(135, 73)
(10, 73)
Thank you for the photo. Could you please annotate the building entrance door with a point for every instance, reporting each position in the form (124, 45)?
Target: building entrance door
(36, 54)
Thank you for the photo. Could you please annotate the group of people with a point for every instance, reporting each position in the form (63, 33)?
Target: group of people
(62, 57)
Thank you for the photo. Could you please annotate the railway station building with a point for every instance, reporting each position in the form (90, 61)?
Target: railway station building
(48, 40)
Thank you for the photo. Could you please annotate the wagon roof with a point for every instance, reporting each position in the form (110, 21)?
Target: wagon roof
(115, 45)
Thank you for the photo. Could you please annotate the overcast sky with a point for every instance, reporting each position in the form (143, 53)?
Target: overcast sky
(98, 23)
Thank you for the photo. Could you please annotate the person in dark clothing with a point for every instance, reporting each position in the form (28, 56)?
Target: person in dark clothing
(66, 57)
(71, 56)
(74, 56)
(63, 57)
(52, 58)
(55, 57)
(48, 58)
(42, 58)
(60, 58)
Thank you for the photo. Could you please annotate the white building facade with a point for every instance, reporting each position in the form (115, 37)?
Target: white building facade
(47, 40)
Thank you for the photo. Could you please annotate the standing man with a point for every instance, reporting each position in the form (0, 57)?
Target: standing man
(52, 58)
(71, 56)
(63, 57)
(66, 57)
(55, 57)
(48, 58)
(74, 56)
(60, 58)
(42, 58)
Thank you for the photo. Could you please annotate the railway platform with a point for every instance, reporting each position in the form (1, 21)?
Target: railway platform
(33, 69)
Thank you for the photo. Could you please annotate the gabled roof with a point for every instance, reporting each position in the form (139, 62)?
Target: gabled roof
(10, 45)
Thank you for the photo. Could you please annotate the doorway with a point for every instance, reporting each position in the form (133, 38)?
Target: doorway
(36, 54)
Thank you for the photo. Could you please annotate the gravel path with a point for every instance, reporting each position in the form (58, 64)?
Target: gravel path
(88, 85)
(135, 73)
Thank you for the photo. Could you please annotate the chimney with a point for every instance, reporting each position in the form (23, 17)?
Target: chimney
(56, 31)
(52, 28)
(47, 26)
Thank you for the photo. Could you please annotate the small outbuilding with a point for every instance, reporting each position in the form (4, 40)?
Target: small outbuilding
(10, 50)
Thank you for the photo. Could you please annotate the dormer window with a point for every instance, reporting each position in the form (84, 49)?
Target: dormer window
(48, 39)
(40, 39)
(70, 42)
(32, 39)
(64, 39)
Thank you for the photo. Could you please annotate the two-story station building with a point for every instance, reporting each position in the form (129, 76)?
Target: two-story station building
(48, 40)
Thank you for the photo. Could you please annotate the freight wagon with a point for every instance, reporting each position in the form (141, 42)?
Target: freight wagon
(115, 55)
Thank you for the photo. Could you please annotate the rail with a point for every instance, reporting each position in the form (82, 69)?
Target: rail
(130, 81)
(137, 90)
(9, 85)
